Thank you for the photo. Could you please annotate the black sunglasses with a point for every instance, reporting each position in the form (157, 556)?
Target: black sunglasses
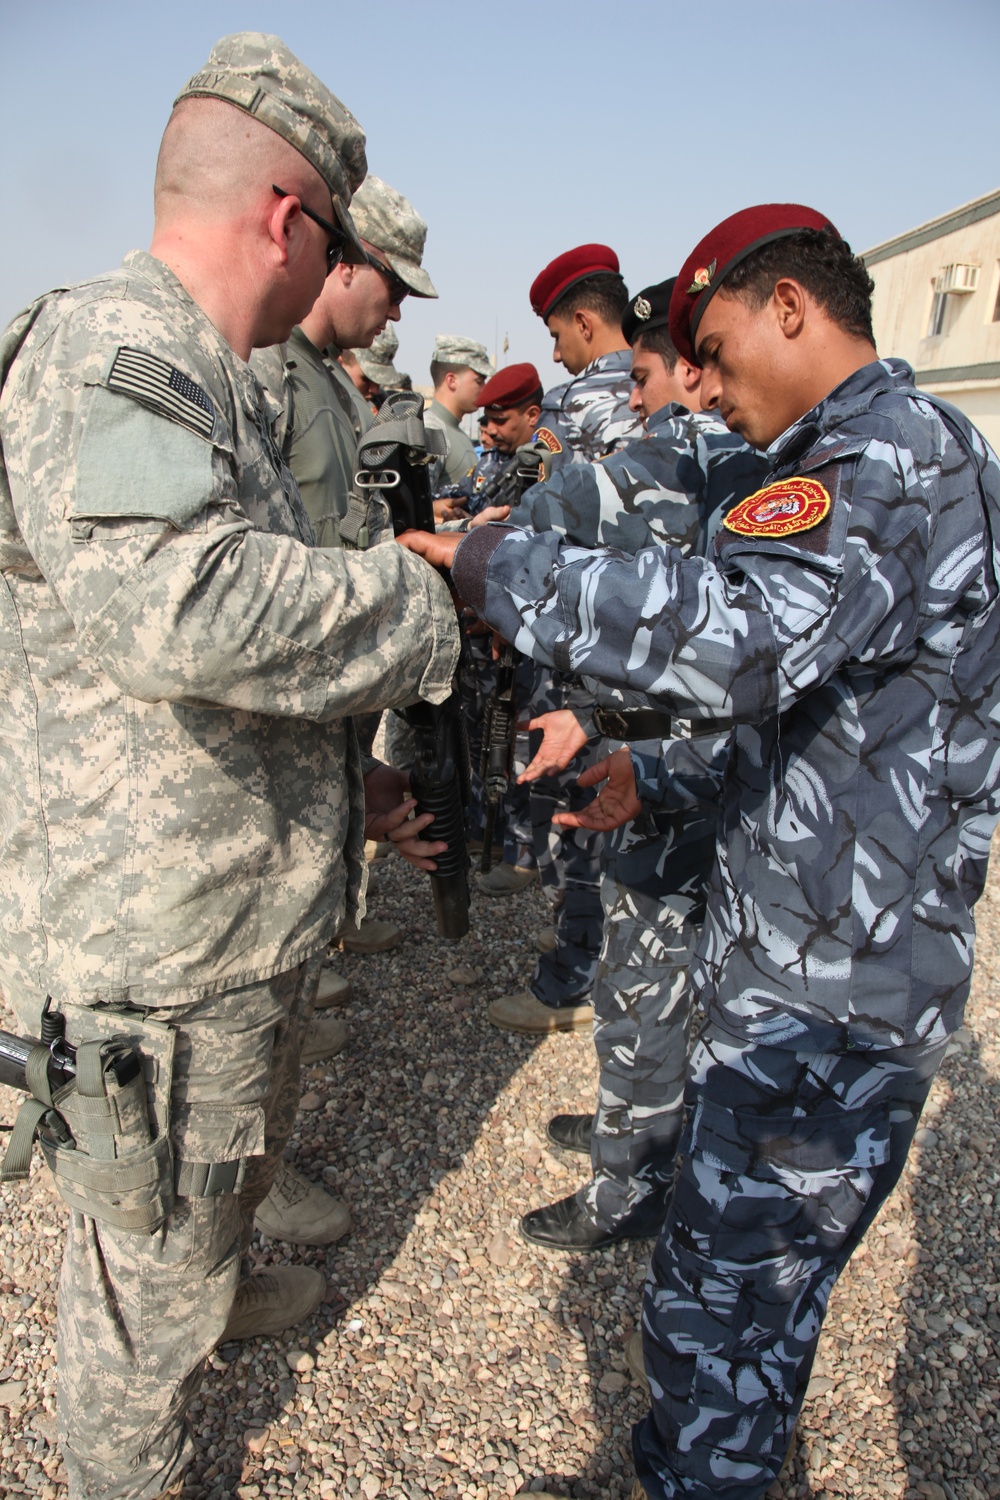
(397, 287)
(338, 239)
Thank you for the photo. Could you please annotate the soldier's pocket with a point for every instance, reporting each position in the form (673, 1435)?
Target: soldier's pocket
(754, 1185)
(212, 1144)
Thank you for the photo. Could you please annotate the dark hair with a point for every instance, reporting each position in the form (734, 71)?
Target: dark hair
(604, 294)
(439, 369)
(658, 341)
(825, 266)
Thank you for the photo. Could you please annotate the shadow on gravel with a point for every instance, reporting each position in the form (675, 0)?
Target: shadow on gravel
(380, 1128)
(609, 1280)
(947, 1382)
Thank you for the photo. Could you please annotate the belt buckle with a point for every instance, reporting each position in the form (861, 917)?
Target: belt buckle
(614, 724)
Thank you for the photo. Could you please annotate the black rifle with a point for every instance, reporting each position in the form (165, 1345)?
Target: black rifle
(500, 721)
(394, 457)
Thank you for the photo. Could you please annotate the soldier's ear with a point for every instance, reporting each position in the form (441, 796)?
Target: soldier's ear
(788, 303)
(584, 323)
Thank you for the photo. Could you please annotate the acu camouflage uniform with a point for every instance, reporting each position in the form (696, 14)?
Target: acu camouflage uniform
(669, 490)
(321, 419)
(860, 663)
(580, 422)
(180, 782)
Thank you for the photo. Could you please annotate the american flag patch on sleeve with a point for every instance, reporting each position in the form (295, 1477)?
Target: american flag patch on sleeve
(167, 390)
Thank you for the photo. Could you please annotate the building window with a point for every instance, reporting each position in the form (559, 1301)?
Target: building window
(996, 306)
(938, 307)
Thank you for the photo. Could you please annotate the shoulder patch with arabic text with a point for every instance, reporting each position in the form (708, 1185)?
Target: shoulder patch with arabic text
(780, 509)
(546, 436)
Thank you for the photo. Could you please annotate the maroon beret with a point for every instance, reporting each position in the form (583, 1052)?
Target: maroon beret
(510, 386)
(729, 243)
(566, 270)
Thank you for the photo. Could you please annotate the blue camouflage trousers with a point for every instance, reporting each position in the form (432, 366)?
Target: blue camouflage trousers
(569, 864)
(140, 1313)
(787, 1157)
(642, 1005)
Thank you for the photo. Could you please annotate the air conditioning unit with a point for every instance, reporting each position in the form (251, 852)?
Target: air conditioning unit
(958, 278)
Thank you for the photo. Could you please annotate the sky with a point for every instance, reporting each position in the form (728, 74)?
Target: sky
(519, 130)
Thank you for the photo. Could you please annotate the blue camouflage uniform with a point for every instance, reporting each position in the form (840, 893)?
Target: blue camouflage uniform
(859, 660)
(580, 421)
(669, 489)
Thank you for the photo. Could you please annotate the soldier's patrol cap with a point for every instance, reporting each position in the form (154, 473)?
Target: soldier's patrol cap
(377, 362)
(649, 310)
(451, 349)
(259, 74)
(566, 270)
(509, 387)
(389, 221)
(721, 251)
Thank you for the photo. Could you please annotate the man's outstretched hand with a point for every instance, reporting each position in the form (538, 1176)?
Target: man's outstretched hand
(615, 804)
(562, 738)
(438, 547)
(388, 806)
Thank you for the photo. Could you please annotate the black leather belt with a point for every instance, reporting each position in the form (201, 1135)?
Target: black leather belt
(632, 723)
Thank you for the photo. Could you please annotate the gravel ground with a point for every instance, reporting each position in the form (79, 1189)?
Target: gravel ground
(453, 1360)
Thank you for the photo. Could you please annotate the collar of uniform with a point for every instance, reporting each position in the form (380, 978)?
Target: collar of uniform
(664, 414)
(447, 417)
(851, 397)
(158, 272)
(618, 359)
(301, 343)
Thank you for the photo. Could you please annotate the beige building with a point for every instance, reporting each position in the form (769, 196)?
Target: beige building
(937, 305)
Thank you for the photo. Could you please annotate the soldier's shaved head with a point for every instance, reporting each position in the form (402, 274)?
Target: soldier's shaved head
(215, 160)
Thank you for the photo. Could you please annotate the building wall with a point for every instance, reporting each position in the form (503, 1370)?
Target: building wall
(962, 362)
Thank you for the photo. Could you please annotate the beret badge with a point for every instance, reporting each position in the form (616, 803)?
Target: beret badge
(702, 279)
(642, 308)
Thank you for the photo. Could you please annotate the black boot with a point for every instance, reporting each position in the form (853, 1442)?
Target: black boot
(571, 1132)
(566, 1226)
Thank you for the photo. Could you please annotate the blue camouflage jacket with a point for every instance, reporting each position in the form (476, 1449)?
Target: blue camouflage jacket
(589, 415)
(859, 660)
(669, 489)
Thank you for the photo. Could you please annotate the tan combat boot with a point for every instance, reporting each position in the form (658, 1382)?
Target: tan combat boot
(270, 1301)
(506, 880)
(544, 939)
(333, 989)
(635, 1362)
(301, 1212)
(370, 937)
(522, 1012)
(325, 1037)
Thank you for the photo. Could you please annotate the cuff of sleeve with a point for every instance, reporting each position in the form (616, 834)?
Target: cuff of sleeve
(437, 680)
(647, 770)
(472, 561)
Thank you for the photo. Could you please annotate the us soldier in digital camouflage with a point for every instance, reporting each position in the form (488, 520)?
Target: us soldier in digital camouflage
(323, 414)
(322, 418)
(184, 836)
(459, 366)
(372, 370)
(580, 297)
(669, 489)
(847, 625)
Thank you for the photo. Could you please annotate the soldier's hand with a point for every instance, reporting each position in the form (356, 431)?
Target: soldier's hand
(438, 547)
(615, 804)
(388, 815)
(562, 738)
(490, 513)
(449, 509)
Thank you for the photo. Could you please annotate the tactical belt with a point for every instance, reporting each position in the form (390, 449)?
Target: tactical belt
(632, 723)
